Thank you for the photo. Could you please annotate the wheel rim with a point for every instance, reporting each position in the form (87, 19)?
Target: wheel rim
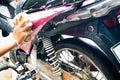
(77, 64)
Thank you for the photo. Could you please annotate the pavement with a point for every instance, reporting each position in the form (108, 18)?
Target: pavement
(5, 74)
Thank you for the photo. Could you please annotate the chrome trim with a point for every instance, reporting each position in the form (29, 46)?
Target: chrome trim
(99, 9)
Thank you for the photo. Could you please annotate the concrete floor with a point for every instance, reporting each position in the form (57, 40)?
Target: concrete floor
(6, 74)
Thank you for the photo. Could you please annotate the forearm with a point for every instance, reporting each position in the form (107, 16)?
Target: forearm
(6, 46)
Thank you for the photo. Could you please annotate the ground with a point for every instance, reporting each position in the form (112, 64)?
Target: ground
(5, 74)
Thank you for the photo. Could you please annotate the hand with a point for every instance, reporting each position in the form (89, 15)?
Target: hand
(22, 27)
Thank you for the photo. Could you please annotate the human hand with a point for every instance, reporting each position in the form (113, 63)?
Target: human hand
(22, 27)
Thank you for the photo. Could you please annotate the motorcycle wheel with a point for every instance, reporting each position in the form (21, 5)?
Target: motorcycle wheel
(79, 61)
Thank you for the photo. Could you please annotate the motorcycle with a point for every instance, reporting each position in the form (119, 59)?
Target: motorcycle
(82, 41)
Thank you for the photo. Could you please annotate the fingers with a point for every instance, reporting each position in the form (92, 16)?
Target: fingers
(20, 18)
(27, 27)
(24, 23)
(22, 27)
(15, 22)
(28, 36)
(16, 19)
(28, 33)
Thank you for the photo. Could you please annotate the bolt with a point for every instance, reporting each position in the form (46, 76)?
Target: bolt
(91, 28)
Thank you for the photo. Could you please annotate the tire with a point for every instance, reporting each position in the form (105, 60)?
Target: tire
(91, 66)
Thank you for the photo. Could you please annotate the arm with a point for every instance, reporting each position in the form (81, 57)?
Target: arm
(6, 46)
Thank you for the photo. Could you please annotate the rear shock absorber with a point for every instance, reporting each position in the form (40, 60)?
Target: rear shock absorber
(52, 56)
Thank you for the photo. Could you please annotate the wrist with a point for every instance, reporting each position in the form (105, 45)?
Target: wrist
(11, 38)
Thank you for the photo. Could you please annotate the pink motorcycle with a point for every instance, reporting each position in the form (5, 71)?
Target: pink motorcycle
(71, 37)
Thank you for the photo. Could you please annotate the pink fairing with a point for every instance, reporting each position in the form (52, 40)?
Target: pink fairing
(39, 19)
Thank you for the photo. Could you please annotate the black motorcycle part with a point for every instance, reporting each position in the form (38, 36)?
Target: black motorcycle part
(5, 26)
(27, 75)
(6, 12)
(4, 1)
(3, 67)
(21, 56)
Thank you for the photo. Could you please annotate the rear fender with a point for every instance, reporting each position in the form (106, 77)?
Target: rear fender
(83, 41)
(91, 46)
(97, 52)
